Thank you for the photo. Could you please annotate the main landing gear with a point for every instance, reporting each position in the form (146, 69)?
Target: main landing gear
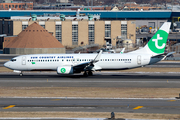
(89, 73)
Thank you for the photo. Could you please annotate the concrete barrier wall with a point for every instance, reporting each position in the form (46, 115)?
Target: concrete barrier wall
(23, 51)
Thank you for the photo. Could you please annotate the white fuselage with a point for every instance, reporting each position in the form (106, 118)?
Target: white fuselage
(52, 61)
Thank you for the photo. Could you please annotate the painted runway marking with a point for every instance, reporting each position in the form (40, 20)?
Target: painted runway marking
(55, 99)
(10, 106)
(138, 107)
(172, 100)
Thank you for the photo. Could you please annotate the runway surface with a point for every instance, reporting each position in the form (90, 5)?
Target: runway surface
(91, 105)
(100, 79)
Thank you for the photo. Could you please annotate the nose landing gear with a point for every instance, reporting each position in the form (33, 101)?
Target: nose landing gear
(21, 74)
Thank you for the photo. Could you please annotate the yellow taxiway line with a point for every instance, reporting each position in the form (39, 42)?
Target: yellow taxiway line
(10, 106)
(138, 107)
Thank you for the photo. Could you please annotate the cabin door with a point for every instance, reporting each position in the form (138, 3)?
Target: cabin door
(139, 60)
(23, 60)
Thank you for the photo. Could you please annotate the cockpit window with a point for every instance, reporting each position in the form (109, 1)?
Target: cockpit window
(13, 60)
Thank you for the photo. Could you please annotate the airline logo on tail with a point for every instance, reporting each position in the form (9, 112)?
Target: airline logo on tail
(157, 43)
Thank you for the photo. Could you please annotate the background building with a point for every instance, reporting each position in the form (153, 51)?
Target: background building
(16, 6)
(32, 40)
(77, 33)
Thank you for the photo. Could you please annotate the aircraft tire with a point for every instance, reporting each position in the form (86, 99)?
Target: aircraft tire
(85, 74)
(90, 73)
(20, 74)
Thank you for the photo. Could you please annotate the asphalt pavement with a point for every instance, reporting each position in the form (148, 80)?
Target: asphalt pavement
(166, 106)
(99, 79)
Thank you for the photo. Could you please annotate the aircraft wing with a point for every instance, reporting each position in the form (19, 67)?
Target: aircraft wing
(88, 65)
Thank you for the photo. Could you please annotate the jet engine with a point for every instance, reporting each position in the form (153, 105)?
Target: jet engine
(65, 70)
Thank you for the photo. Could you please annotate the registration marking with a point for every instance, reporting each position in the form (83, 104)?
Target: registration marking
(138, 107)
(10, 106)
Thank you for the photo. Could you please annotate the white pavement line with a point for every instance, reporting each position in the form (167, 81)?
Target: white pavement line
(95, 98)
(60, 118)
(72, 118)
(82, 81)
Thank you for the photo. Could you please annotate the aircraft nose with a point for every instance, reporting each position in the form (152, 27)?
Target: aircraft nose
(6, 64)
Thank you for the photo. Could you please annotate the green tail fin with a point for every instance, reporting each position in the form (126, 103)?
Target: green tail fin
(157, 43)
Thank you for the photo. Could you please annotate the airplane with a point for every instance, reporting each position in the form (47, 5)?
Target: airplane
(154, 51)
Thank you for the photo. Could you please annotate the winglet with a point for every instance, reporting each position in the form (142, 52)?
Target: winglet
(97, 58)
(122, 51)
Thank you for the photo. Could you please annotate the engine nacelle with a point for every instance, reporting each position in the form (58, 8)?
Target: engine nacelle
(65, 70)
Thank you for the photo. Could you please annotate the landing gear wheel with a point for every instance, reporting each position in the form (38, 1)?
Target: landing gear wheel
(85, 74)
(20, 74)
(90, 73)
